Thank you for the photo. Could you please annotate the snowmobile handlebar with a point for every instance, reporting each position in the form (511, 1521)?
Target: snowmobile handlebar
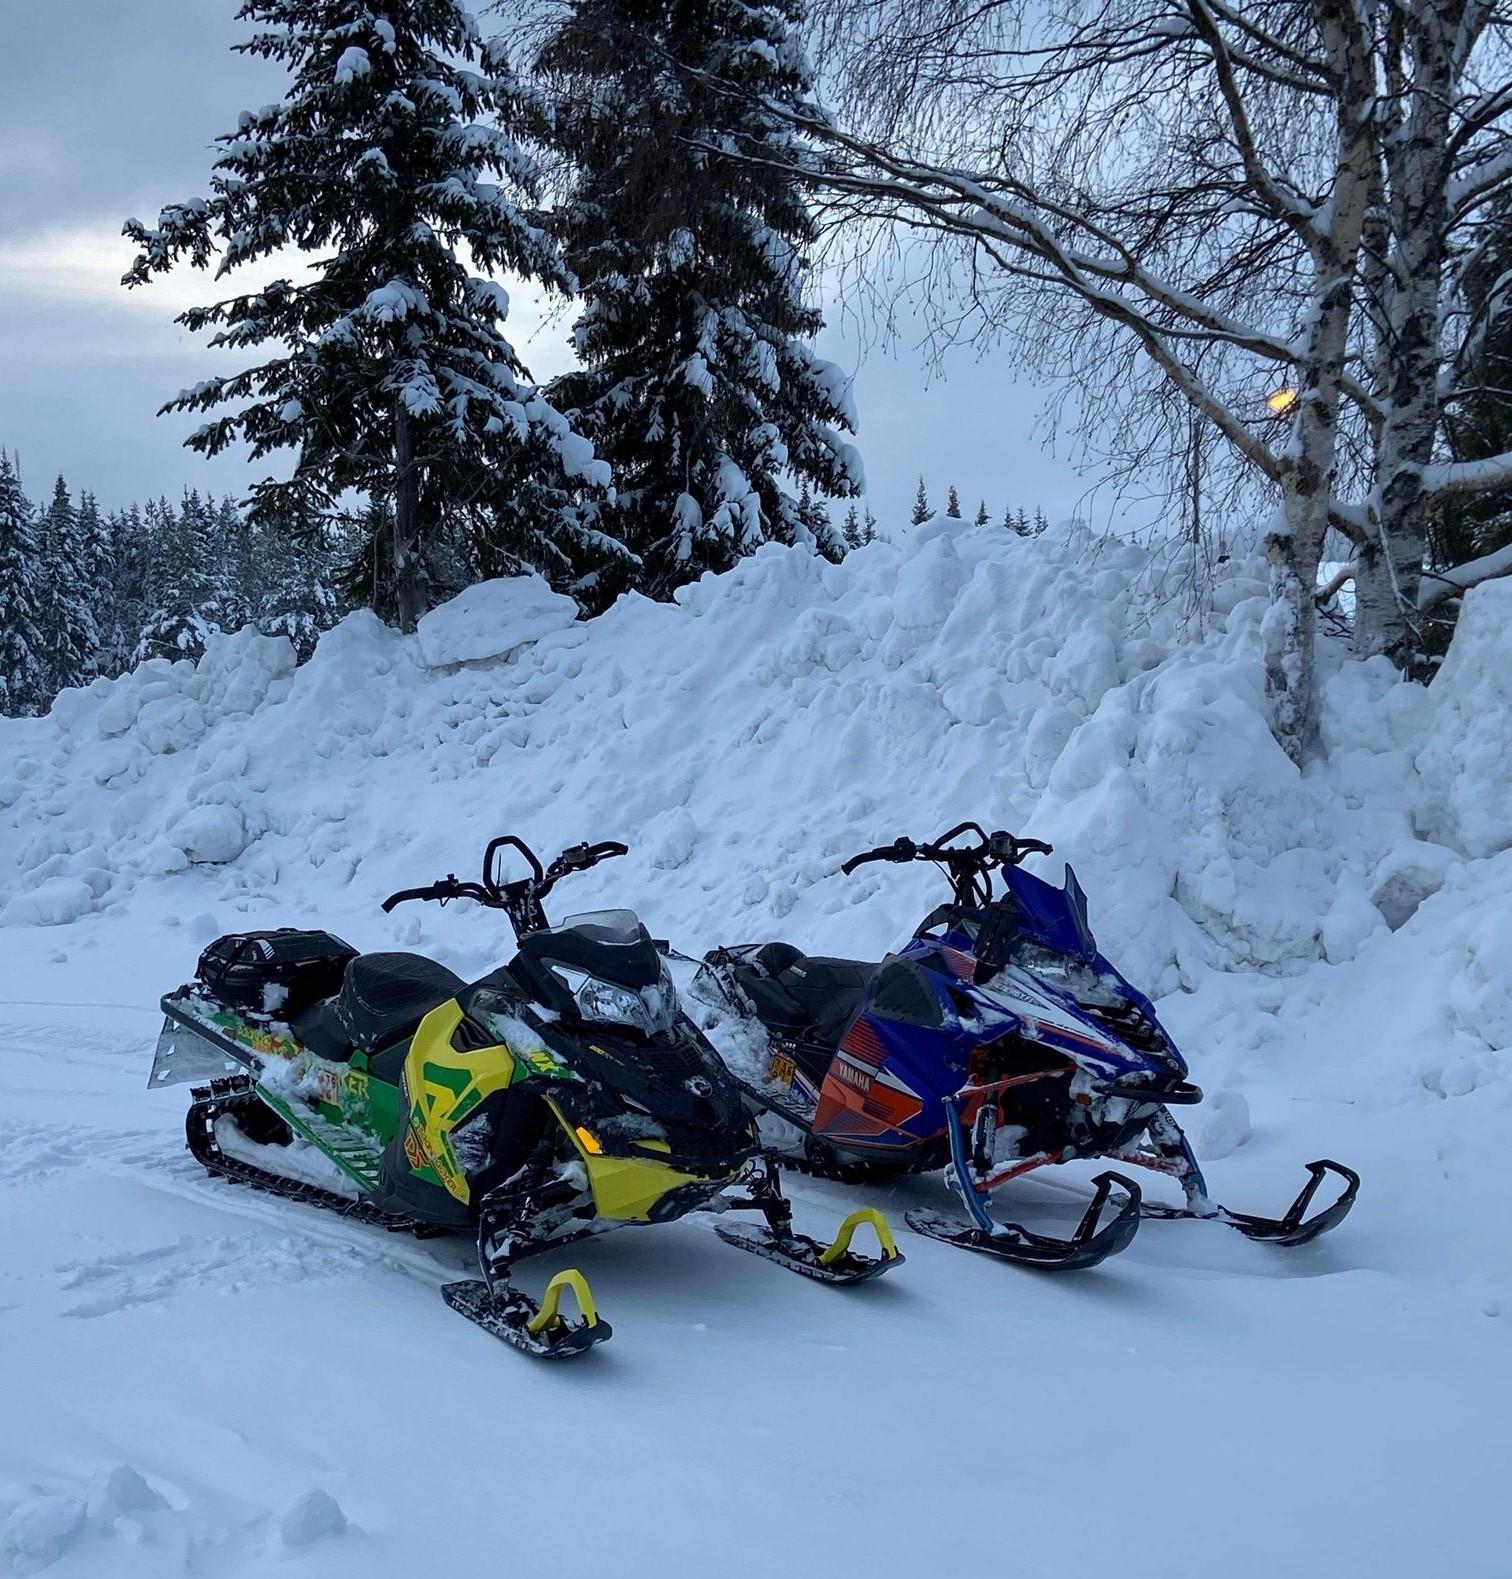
(968, 865)
(521, 899)
(996, 849)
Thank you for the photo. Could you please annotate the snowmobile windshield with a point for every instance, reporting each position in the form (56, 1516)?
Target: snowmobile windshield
(1053, 917)
(602, 968)
(605, 926)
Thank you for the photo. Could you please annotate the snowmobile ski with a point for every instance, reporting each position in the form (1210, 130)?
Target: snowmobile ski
(832, 1263)
(1294, 1227)
(540, 1330)
(1092, 1242)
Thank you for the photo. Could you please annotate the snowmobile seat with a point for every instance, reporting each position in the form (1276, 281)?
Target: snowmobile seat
(829, 991)
(794, 993)
(383, 997)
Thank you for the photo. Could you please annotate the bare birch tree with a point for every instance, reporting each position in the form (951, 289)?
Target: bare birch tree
(1277, 199)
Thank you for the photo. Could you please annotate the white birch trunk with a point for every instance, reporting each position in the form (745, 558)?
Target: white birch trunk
(1390, 566)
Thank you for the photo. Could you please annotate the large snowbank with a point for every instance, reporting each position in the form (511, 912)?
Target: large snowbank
(746, 739)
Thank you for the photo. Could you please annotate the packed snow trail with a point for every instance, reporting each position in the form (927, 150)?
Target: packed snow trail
(206, 1381)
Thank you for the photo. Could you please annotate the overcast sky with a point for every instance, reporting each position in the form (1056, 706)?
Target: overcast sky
(107, 110)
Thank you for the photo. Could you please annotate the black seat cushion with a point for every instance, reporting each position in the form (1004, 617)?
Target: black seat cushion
(828, 990)
(384, 996)
(798, 994)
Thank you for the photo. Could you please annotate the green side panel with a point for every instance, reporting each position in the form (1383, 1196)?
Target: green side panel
(383, 1110)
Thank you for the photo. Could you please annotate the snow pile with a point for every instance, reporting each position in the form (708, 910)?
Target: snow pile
(775, 720)
(491, 619)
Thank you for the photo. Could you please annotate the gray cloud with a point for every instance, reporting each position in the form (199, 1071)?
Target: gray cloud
(109, 110)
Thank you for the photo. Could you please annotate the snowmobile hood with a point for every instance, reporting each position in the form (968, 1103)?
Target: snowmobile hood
(676, 1082)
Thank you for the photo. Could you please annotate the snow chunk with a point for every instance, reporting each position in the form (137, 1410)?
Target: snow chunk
(120, 1492)
(353, 63)
(311, 1517)
(39, 1530)
(491, 619)
(670, 839)
(211, 834)
(171, 724)
(1222, 1126)
(51, 904)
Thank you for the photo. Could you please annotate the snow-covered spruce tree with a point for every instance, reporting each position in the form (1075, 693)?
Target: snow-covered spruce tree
(981, 515)
(921, 510)
(396, 151)
(178, 612)
(23, 672)
(698, 383)
(70, 642)
(121, 617)
(98, 572)
(953, 504)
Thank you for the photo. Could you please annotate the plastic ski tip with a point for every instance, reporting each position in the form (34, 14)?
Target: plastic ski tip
(1093, 1241)
(539, 1330)
(1295, 1227)
(833, 1263)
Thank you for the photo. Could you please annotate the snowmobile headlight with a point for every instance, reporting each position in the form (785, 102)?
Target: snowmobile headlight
(650, 1010)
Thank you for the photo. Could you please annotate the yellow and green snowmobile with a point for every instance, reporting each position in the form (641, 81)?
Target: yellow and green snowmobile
(558, 1096)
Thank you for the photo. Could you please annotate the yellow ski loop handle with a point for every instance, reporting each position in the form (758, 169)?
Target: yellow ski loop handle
(880, 1225)
(549, 1315)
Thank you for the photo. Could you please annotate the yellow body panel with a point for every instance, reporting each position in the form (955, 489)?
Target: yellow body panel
(443, 1086)
(628, 1188)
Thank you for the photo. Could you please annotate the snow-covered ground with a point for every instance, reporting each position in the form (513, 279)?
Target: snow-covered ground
(201, 1381)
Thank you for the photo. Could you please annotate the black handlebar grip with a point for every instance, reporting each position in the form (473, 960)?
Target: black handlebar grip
(405, 895)
(898, 850)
